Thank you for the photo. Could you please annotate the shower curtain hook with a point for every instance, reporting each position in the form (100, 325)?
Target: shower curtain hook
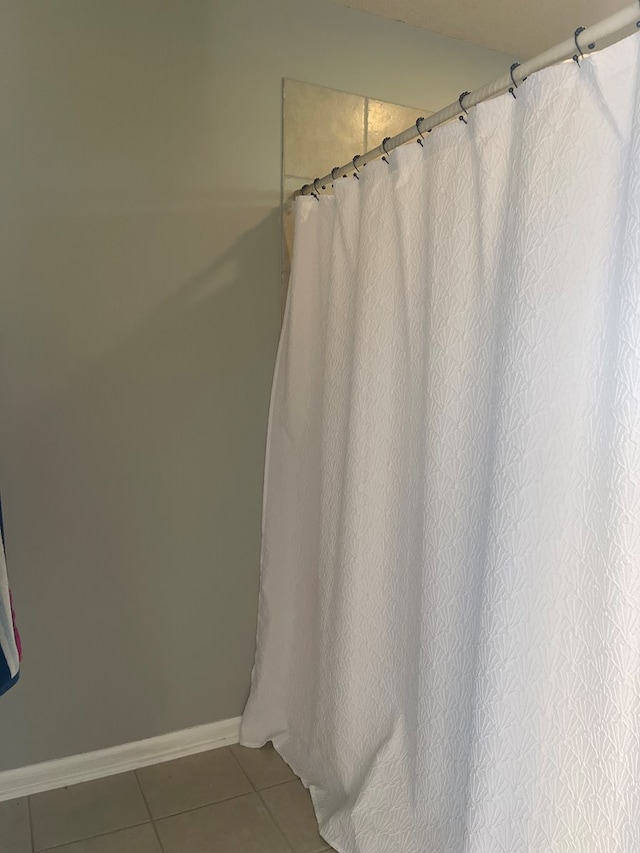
(384, 148)
(577, 59)
(462, 107)
(419, 141)
(353, 162)
(335, 169)
(315, 186)
(515, 85)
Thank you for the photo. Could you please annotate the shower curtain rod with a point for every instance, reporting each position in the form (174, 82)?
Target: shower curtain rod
(584, 38)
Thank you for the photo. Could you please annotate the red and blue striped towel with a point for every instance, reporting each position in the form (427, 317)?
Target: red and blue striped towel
(10, 646)
(7, 680)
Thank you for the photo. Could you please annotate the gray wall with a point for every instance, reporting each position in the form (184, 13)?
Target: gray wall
(139, 313)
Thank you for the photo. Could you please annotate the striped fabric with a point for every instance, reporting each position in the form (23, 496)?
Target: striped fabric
(10, 650)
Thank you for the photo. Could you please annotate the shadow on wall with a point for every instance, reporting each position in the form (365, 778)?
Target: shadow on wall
(130, 495)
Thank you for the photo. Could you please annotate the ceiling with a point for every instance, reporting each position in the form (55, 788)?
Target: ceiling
(522, 29)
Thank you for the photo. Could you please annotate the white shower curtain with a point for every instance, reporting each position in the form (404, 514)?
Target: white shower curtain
(449, 629)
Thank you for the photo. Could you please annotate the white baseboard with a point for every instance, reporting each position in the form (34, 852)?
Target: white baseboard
(116, 759)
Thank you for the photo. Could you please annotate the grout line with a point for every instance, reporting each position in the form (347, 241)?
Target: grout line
(205, 806)
(153, 823)
(152, 820)
(278, 784)
(253, 793)
(33, 844)
(242, 770)
(90, 837)
(264, 787)
(275, 821)
(275, 784)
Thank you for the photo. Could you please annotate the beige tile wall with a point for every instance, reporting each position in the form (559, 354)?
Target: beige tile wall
(323, 128)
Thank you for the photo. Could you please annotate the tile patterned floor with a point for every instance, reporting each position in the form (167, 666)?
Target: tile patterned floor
(231, 800)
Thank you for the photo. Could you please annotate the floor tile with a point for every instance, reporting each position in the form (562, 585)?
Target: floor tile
(188, 783)
(139, 839)
(82, 811)
(264, 767)
(242, 825)
(15, 832)
(291, 808)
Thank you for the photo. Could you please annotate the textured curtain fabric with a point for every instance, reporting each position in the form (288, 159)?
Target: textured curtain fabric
(449, 627)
